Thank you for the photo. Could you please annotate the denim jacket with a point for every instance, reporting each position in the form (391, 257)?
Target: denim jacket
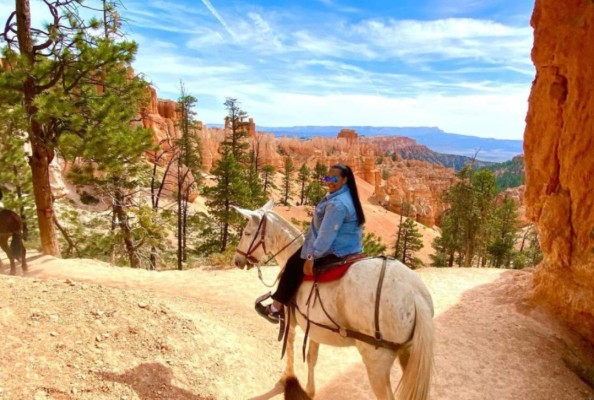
(334, 228)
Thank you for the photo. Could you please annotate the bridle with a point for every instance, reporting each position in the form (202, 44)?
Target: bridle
(260, 235)
(254, 245)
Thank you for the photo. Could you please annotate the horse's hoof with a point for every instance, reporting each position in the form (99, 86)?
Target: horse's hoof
(13, 273)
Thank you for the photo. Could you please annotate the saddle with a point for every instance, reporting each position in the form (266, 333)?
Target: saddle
(335, 270)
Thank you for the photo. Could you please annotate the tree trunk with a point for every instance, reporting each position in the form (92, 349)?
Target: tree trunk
(524, 240)
(71, 244)
(19, 191)
(125, 227)
(265, 182)
(179, 220)
(451, 260)
(112, 250)
(225, 237)
(185, 231)
(42, 192)
(404, 248)
(469, 252)
(398, 236)
(42, 150)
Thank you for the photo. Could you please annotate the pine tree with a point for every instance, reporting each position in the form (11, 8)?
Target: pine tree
(505, 222)
(316, 190)
(46, 68)
(236, 140)
(411, 242)
(257, 194)
(229, 190)
(234, 179)
(404, 212)
(372, 245)
(268, 172)
(104, 137)
(188, 169)
(533, 252)
(304, 173)
(288, 171)
(15, 174)
(479, 229)
(320, 170)
(111, 147)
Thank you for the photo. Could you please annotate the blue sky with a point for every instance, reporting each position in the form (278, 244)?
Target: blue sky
(461, 65)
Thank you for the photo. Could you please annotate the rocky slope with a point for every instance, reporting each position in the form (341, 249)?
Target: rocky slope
(409, 149)
(559, 164)
(509, 174)
(495, 150)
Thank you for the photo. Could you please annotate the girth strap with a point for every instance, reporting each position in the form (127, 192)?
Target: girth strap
(378, 296)
(375, 340)
(347, 333)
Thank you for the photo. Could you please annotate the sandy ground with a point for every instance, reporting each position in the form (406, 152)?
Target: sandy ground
(79, 329)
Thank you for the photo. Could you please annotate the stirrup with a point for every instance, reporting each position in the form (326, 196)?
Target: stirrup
(265, 296)
(271, 316)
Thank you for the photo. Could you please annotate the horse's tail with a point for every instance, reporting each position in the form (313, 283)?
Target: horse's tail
(294, 391)
(416, 378)
(16, 245)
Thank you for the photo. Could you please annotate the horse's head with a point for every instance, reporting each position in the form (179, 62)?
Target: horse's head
(252, 247)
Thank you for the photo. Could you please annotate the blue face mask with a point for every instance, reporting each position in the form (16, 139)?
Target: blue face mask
(331, 179)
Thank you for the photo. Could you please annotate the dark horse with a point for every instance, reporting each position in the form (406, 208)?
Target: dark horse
(11, 225)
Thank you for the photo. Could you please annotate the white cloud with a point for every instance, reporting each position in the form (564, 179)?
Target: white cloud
(218, 16)
(447, 38)
(373, 72)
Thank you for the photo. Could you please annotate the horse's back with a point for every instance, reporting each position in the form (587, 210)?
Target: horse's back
(351, 300)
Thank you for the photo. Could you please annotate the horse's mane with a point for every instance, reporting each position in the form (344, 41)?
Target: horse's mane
(286, 224)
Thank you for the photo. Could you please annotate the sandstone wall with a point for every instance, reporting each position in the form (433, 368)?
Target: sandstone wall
(559, 145)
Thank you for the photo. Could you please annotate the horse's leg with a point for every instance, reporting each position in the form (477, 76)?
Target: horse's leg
(275, 391)
(23, 255)
(403, 356)
(378, 363)
(6, 248)
(290, 370)
(312, 359)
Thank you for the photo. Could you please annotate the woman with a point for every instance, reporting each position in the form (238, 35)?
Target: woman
(335, 232)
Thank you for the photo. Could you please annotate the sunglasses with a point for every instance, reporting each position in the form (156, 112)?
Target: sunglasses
(331, 179)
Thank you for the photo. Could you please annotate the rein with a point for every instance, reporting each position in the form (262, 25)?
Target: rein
(261, 231)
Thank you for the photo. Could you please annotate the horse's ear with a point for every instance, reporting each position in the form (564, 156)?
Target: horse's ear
(246, 213)
(268, 206)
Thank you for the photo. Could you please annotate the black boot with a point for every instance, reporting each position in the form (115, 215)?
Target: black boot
(271, 316)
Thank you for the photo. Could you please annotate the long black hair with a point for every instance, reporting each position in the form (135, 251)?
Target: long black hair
(347, 172)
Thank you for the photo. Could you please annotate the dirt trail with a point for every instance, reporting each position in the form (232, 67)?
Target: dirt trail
(490, 343)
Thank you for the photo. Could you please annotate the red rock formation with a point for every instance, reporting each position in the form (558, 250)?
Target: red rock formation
(416, 184)
(349, 134)
(516, 194)
(559, 165)
(162, 117)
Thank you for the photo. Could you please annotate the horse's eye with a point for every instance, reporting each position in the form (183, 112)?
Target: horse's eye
(248, 234)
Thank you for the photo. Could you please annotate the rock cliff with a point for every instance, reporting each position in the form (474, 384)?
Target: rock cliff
(558, 142)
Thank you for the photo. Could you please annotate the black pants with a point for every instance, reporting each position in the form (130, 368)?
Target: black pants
(293, 276)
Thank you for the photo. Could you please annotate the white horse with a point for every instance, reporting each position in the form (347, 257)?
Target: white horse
(405, 318)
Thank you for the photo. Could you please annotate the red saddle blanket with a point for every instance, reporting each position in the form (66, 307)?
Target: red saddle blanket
(334, 271)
